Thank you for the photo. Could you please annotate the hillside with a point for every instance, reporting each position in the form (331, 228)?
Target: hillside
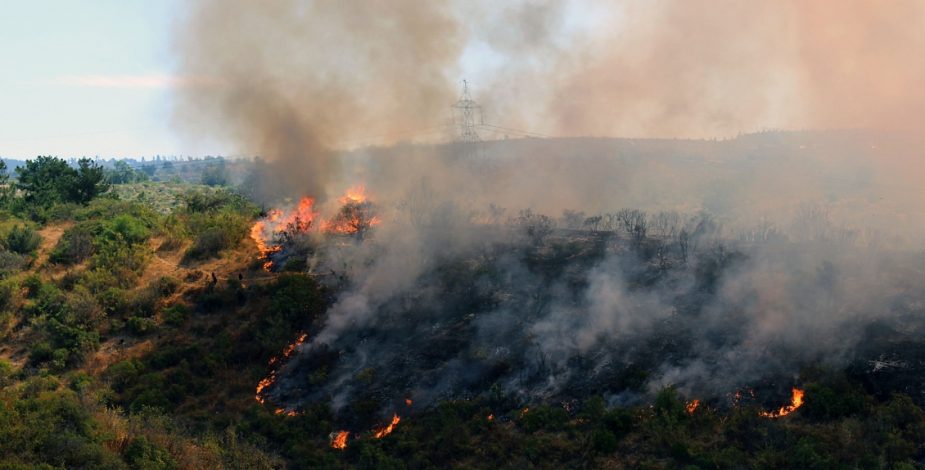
(153, 327)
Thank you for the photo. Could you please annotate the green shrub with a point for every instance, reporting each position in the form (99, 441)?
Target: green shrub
(143, 454)
(76, 244)
(166, 285)
(7, 290)
(123, 261)
(140, 325)
(6, 373)
(32, 283)
(129, 228)
(175, 315)
(114, 301)
(22, 239)
(11, 263)
(144, 303)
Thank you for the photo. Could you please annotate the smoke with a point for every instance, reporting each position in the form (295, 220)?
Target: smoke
(461, 288)
(297, 79)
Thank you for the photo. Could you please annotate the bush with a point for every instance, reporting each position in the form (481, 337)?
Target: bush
(213, 233)
(22, 239)
(175, 315)
(6, 373)
(166, 285)
(129, 228)
(76, 244)
(141, 326)
(11, 263)
(141, 453)
(7, 290)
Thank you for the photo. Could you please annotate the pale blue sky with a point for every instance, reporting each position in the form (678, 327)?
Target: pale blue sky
(85, 77)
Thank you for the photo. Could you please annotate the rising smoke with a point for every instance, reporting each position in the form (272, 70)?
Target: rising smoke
(811, 234)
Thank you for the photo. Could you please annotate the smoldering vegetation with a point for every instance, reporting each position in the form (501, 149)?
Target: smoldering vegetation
(453, 298)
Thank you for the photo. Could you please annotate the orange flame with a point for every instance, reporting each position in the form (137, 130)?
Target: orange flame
(408, 401)
(263, 231)
(262, 385)
(355, 194)
(271, 378)
(380, 433)
(796, 401)
(692, 406)
(339, 439)
(491, 417)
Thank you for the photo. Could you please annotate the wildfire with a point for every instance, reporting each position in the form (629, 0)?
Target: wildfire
(271, 378)
(355, 216)
(281, 411)
(796, 401)
(382, 432)
(339, 439)
(491, 417)
(356, 194)
(264, 231)
(263, 384)
(408, 402)
(692, 406)
(289, 349)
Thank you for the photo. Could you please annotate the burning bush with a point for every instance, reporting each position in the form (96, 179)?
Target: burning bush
(354, 218)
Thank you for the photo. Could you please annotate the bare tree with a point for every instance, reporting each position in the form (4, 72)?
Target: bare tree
(635, 223)
(592, 223)
(536, 227)
(665, 224)
(684, 245)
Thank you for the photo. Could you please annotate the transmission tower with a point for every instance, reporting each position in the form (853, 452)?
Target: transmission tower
(468, 115)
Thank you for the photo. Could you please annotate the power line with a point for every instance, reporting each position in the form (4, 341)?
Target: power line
(466, 110)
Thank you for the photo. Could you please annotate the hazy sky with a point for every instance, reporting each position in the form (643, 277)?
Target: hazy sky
(85, 78)
(98, 78)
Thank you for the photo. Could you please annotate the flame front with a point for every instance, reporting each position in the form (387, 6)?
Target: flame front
(339, 439)
(271, 378)
(262, 385)
(692, 406)
(380, 433)
(796, 401)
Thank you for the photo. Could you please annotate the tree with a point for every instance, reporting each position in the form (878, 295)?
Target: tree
(5, 190)
(635, 222)
(88, 182)
(123, 173)
(44, 180)
(215, 174)
(47, 180)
